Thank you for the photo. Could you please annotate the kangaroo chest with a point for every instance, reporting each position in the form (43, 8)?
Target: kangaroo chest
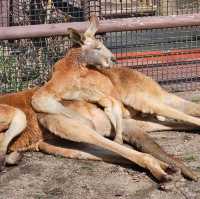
(89, 85)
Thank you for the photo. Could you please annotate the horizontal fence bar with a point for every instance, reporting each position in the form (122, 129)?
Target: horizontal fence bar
(114, 25)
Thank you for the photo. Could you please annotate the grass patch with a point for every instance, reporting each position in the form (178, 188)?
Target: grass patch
(8, 73)
(87, 166)
(195, 98)
(190, 158)
(198, 168)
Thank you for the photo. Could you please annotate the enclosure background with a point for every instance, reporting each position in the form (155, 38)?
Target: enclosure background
(171, 56)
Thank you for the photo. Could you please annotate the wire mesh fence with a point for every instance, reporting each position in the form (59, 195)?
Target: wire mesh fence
(30, 12)
(26, 12)
(171, 56)
(28, 62)
(139, 8)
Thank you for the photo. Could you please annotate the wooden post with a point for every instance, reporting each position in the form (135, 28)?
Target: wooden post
(90, 7)
(17, 13)
(167, 7)
(4, 13)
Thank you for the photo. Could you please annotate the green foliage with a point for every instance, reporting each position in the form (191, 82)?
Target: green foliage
(9, 80)
(190, 158)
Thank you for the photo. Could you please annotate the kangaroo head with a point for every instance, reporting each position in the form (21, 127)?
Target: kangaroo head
(93, 50)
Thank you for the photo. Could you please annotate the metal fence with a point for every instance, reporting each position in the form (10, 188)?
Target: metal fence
(26, 12)
(169, 55)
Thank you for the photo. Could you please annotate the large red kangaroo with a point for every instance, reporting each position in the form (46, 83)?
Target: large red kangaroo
(35, 138)
(72, 80)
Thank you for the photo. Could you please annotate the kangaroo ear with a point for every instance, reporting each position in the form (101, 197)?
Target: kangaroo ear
(92, 29)
(75, 36)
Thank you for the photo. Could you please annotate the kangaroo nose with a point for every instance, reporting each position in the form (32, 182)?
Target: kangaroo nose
(113, 59)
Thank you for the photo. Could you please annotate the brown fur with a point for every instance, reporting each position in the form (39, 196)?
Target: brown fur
(143, 94)
(71, 80)
(32, 134)
(7, 113)
(36, 138)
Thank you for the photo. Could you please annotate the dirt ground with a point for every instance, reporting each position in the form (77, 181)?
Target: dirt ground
(44, 176)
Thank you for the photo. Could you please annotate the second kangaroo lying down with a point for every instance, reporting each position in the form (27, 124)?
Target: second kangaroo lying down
(34, 137)
(143, 94)
(14, 121)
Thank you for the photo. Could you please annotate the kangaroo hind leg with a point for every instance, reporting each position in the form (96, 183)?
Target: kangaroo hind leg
(153, 106)
(167, 111)
(181, 104)
(87, 153)
(16, 121)
(136, 136)
(68, 128)
(16, 126)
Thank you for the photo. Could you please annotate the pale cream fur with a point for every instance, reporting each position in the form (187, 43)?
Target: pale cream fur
(13, 120)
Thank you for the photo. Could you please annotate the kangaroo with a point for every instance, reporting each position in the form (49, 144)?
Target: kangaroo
(72, 80)
(36, 138)
(14, 121)
(70, 123)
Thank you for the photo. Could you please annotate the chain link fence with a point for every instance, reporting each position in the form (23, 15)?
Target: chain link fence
(171, 56)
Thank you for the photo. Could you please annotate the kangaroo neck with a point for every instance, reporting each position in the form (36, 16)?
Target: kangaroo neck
(75, 58)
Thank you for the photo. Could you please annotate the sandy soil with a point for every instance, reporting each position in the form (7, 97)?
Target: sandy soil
(44, 176)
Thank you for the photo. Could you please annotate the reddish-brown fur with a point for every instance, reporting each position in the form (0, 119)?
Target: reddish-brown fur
(32, 134)
(143, 94)
(71, 80)
(7, 113)
(36, 138)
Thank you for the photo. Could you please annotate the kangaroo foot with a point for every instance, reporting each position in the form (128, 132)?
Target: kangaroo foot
(13, 158)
